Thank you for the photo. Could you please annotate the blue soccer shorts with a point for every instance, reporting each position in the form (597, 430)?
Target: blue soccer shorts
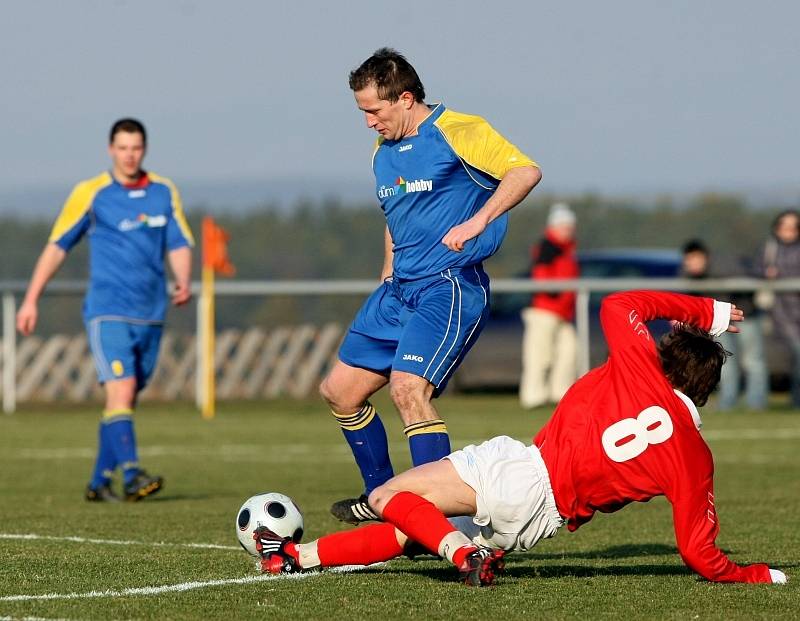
(124, 348)
(424, 327)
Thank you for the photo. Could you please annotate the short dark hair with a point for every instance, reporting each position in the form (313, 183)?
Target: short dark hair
(694, 245)
(785, 214)
(132, 126)
(692, 361)
(390, 73)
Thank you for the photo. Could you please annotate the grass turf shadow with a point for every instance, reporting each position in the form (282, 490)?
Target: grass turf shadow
(447, 573)
(620, 551)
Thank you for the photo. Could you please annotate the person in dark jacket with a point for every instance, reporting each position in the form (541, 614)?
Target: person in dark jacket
(781, 259)
(549, 346)
(748, 358)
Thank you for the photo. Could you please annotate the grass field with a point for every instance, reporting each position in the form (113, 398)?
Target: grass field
(623, 565)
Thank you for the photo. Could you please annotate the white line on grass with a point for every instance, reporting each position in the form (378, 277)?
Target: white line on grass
(176, 588)
(115, 542)
(30, 619)
(231, 452)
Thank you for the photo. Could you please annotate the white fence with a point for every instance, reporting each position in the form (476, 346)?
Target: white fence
(260, 363)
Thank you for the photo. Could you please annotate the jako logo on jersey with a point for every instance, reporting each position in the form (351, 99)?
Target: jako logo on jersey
(405, 147)
(143, 219)
(401, 186)
(413, 357)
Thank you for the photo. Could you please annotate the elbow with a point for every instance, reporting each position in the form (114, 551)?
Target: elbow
(695, 562)
(533, 175)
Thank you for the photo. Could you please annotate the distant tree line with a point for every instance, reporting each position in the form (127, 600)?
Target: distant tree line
(329, 240)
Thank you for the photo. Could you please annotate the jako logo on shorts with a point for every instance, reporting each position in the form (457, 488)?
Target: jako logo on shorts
(413, 357)
(401, 186)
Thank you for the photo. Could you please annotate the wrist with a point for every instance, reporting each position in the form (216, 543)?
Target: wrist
(484, 217)
(722, 318)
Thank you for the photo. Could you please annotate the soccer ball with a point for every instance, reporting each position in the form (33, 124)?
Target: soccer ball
(276, 511)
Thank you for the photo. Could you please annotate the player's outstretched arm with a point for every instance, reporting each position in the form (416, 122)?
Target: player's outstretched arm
(624, 316)
(46, 266)
(698, 550)
(696, 523)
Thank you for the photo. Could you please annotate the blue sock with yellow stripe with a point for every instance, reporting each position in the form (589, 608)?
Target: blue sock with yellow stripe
(366, 436)
(428, 441)
(106, 463)
(119, 430)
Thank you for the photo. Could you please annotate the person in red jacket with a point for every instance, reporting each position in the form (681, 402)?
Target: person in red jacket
(627, 431)
(549, 347)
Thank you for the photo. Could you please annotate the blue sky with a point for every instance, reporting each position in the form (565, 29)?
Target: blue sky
(620, 97)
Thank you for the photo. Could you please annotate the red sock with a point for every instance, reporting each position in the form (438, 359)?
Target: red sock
(422, 522)
(359, 546)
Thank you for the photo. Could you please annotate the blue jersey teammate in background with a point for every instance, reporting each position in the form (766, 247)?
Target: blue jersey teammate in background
(133, 219)
(445, 182)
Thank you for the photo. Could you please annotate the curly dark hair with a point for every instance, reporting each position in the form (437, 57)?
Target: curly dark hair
(390, 73)
(692, 361)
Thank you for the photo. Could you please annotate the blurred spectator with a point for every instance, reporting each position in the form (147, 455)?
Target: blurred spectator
(781, 259)
(747, 346)
(549, 347)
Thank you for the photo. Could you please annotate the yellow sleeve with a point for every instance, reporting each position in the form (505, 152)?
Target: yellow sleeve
(177, 207)
(77, 205)
(480, 145)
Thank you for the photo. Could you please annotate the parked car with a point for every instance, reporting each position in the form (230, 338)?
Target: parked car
(495, 362)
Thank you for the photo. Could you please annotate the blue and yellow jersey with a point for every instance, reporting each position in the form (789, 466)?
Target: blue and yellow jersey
(437, 179)
(130, 230)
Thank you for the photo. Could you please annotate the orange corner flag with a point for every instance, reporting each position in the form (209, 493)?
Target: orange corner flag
(215, 248)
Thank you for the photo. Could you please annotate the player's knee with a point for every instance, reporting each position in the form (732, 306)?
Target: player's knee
(333, 397)
(380, 497)
(325, 390)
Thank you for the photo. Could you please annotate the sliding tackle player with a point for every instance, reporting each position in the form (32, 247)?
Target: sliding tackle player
(625, 432)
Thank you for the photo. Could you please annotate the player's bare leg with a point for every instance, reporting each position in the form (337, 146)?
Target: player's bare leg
(411, 395)
(120, 394)
(437, 482)
(427, 433)
(347, 390)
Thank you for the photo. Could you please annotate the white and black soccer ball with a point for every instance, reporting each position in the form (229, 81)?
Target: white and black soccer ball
(277, 512)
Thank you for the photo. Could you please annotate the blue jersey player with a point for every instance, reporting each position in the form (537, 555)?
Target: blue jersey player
(133, 219)
(445, 182)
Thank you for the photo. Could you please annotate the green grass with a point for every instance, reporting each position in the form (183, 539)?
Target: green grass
(618, 566)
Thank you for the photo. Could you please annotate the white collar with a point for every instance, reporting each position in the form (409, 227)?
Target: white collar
(692, 408)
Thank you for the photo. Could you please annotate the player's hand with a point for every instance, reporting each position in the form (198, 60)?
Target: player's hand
(736, 315)
(26, 318)
(182, 293)
(778, 577)
(462, 233)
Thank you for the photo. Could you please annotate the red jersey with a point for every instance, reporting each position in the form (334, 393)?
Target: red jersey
(622, 434)
(553, 258)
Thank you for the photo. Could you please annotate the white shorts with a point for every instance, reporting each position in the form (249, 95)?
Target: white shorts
(515, 502)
